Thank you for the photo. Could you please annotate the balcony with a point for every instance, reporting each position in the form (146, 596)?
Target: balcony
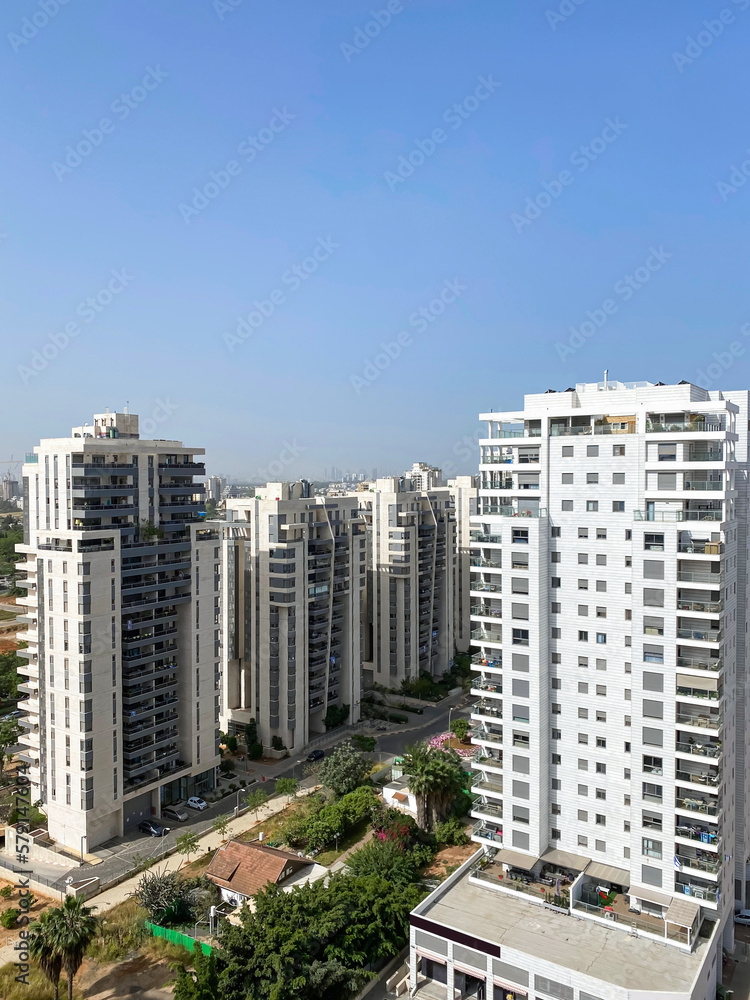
(677, 515)
(704, 485)
(487, 833)
(480, 660)
(478, 536)
(508, 510)
(700, 634)
(712, 722)
(485, 588)
(700, 576)
(701, 548)
(696, 424)
(709, 807)
(697, 891)
(482, 635)
(710, 750)
(482, 807)
(703, 862)
(480, 735)
(705, 607)
(484, 785)
(705, 455)
(699, 834)
(485, 563)
(480, 611)
(696, 692)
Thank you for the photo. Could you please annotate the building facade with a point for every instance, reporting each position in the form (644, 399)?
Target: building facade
(122, 681)
(410, 581)
(292, 598)
(609, 583)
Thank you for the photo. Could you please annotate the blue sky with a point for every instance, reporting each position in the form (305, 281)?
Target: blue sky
(521, 206)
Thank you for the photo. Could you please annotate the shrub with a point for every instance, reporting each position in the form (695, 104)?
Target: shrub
(277, 743)
(8, 917)
(226, 767)
(451, 832)
(396, 717)
(364, 743)
(6, 892)
(231, 743)
(255, 751)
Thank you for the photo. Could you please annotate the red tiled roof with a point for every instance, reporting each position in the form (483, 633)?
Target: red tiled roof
(248, 868)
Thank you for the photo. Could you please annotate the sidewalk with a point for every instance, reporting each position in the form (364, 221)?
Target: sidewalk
(207, 842)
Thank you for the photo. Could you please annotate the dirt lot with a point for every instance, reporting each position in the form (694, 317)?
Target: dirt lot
(449, 858)
(142, 975)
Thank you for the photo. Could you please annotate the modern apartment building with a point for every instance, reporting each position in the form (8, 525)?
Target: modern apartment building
(122, 681)
(609, 591)
(410, 580)
(464, 493)
(295, 567)
(423, 477)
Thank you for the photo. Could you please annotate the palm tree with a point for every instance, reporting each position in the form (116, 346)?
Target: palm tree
(43, 946)
(435, 779)
(75, 927)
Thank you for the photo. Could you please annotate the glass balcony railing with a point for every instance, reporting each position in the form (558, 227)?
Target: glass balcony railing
(692, 426)
(702, 634)
(711, 863)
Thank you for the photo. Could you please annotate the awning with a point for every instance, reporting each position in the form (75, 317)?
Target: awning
(565, 860)
(700, 683)
(651, 895)
(682, 912)
(511, 989)
(469, 970)
(523, 861)
(609, 873)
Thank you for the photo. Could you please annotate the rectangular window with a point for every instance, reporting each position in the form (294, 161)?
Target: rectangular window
(567, 451)
(592, 478)
(651, 848)
(601, 638)
(592, 450)
(618, 506)
(583, 584)
(567, 505)
(601, 559)
(618, 449)
(583, 609)
(567, 478)
(583, 636)
(618, 478)
(592, 505)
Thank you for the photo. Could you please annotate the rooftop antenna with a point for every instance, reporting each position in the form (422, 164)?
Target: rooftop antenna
(606, 373)
(127, 404)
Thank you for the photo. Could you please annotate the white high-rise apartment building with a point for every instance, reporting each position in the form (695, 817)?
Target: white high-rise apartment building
(122, 578)
(609, 592)
(295, 567)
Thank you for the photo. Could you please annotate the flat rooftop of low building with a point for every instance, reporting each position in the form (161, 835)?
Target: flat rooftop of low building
(584, 946)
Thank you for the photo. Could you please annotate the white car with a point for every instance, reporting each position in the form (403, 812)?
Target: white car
(195, 802)
(742, 917)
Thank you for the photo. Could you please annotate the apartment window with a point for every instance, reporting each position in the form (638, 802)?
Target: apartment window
(583, 816)
(601, 612)
(601, 793)
(583, 584)
(583, 636)
(555, 834)
(67, 751)
(583, 558)
(601, 559)
(653, 598)
(583, 841)
(67, 789)
(555, 582)
(114, 708)
(651, 848)
(555, 608)
(653, 709)
(583, 609)
(67, 713)
(520, 637)
(556, 785)
(114, 747)
(583, 738)
(556, 709)
(592, 450)
(592, 478)
(583, 532)
(556, 532)
(618, 449)
(618, 478)
(583, 790)
(556, 758)
(601, 743)
(601, 690)
(583, 765)
(568, 451)
(556, 734)
(601, 716)
(651, 792)
(601, 638)
(583, 713)
(601, 819)
(583, 661)
(556, 684)
(600, 845)
(52, 709)
(567, 478)
(114, 783)
(567, 505)
(618, 506)
(601, 768)
(583, 687)
(651, 820)
(555, 557)
(601, 664)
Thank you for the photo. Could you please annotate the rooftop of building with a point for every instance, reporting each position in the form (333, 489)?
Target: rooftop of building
(612, 396)
(118, 432)
(581, 945)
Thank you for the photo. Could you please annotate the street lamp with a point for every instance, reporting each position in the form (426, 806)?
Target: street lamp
(237, 806)
(83, 838)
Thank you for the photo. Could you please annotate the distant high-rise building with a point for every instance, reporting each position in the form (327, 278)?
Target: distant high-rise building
(609, 581)
(423, 477)
(215, 486)
(121, 687)
(295, 566)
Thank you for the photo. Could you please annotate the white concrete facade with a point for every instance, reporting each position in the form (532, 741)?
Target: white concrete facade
(122, 579)
(292, 598)
(609, 586)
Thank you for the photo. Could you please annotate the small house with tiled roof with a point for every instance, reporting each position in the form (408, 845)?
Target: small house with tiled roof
(240, 870)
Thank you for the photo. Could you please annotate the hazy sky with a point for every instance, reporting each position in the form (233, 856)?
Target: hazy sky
(323, 174)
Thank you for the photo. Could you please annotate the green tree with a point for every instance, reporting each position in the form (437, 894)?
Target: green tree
(386, 858)
(319, 940)
(220, 825)
(74, 929)
(43, 949)
(343, 769)
(336, 716)
(187, 844)
(255, 800)
(200, 984)
(436, 778)
(9, 664)
(159, 893)
(460, 728)
(9, 734)
(231, 744)
(287, 786)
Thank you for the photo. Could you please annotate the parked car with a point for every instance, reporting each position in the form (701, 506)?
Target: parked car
(175, 813)
(196, 802)
(152, 828)
(316, 755)
(742, 917)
